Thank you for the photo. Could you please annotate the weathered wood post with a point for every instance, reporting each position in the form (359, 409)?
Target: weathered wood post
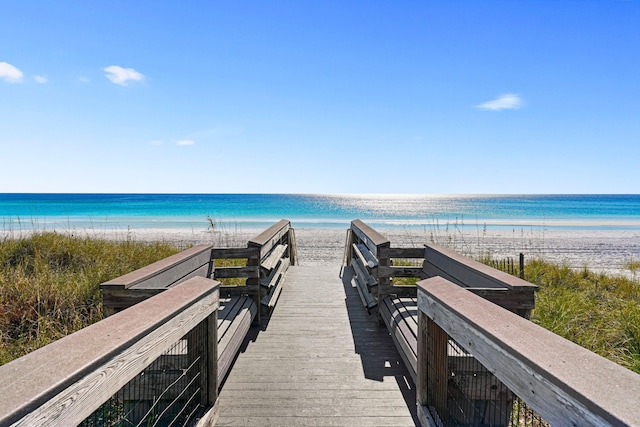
(254, 261)
(211, 386)
(432, 375)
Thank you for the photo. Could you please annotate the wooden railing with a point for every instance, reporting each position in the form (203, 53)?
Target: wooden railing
(268, 256)
(129, 289)
(564, 383)
(64, 382)
(501, 288)
(372, 258)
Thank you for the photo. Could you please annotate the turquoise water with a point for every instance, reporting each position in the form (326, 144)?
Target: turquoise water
(182, 211)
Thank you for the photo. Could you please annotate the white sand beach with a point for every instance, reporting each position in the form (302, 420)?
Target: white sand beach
(600, 250)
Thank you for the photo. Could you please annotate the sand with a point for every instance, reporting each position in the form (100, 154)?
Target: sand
(600, 250)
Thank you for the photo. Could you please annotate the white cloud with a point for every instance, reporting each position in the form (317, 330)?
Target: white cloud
(509, 101)
(9, 73)
(41, 79)
(122, 76)
(185, 142)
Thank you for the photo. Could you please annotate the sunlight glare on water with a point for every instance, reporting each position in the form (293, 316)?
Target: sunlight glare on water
(318, 211)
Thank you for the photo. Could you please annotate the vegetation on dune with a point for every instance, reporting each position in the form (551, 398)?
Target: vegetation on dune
(49, 284)
(49, 288)
(597, 311)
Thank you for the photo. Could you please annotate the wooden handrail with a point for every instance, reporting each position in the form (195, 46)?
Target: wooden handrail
(369, 236)
(68, 379)
(563, 382)
(164, 273)
(464, 271)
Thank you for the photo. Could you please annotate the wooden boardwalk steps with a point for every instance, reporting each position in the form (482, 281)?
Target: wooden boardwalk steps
(320, 360)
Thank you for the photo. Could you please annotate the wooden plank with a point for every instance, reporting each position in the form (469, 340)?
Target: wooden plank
(271, 298)
(367, 258)
(236, 272)
(64, 382)
(275, 274)
(512, 301)
(272, 278)
(362, 272)
(117, 299)
(421, 382)
(393, 271)
(274, 257)
(163, 273)
(437, 368)
(371, 238)
(367, 299)
(403, 291)
(227, 312)
(346, 258)
(212, 360)
(234, 253)
(407, 312)
(563, 382)
(401, 252)
(240, 290)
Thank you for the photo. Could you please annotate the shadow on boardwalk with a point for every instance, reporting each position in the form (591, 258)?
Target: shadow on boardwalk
(380, 358)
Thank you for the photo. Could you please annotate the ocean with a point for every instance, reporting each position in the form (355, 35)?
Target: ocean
(257, 211)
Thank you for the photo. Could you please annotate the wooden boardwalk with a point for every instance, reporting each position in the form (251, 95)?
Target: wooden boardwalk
(320, 360)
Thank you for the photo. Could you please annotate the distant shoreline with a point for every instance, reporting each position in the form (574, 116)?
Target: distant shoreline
(599, 250)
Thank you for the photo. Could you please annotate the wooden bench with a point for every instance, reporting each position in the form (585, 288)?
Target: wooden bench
(484, 395)
(400, 313)
(475, 390)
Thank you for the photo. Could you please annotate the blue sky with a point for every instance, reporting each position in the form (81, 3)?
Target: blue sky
(440, 96)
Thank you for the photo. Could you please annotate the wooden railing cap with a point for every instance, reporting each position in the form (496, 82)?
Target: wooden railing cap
(376, 238)
(512, 282)
(264, 237)
(533, 355)
(130, 279)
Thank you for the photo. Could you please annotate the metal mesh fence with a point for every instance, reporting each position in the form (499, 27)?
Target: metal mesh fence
(170, 392)
(473, 396)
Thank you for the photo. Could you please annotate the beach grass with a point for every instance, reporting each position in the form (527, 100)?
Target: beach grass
(600, 312)
(49, 284)
(49, 288)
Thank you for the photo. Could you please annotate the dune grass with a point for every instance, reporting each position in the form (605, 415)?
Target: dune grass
(49, 288)
(597, 311)
(49, 284)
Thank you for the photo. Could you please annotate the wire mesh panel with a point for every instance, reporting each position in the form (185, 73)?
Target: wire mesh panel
(475, 397)
(170, 391)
